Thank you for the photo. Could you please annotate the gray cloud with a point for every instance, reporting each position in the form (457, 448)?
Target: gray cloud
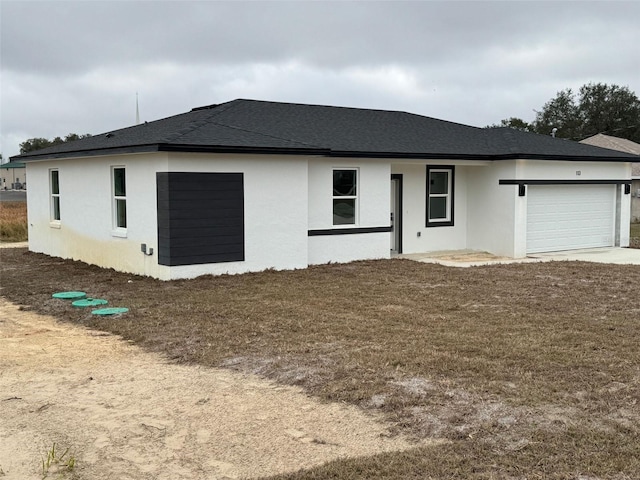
(74, 66)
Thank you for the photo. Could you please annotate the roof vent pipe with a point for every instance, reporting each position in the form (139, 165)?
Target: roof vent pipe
(553, 132)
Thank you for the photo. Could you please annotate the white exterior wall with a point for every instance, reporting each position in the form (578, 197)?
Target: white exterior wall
(275, 192)
(553, 170)
(374, 190)
(416, 237)
(275, 210)
(85, 231)
(493, 210)
(285, 197)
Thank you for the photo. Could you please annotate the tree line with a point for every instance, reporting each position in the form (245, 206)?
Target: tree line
(594, 108)
(38, 143)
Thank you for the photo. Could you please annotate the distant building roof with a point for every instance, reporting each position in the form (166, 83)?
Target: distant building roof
(251, 126)
(614, 143)
(13, 165)
(619, 144)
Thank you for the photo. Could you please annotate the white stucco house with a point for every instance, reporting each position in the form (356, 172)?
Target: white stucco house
(623, 145)
(249, 185)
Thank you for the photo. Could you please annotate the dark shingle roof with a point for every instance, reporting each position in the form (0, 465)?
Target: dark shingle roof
(253, 126)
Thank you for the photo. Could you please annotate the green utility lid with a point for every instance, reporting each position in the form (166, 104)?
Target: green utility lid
(69, 295)
(110, 311)
(89, 302)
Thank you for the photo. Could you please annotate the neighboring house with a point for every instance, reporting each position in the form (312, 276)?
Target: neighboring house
(249, 185)
(623, 145)
(635, 188)
(13, 176)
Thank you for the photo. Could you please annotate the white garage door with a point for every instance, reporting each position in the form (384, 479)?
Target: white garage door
(568, 217)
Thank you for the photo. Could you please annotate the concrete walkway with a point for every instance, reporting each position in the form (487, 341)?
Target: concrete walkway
(471, 258)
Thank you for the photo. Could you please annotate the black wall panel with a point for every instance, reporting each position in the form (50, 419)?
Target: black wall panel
(200, 217)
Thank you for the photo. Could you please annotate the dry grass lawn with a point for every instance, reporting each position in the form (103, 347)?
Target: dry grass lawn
(13, 221)
(527, 370)
(635, 235)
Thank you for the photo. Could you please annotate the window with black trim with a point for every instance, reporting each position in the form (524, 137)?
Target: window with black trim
(345, 196)
(54, 186)
(440, 183)
(119, 198)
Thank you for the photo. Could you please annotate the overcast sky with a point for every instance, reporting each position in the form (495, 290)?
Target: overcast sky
(75, 66)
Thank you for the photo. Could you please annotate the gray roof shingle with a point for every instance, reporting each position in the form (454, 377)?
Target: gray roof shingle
(271, 127)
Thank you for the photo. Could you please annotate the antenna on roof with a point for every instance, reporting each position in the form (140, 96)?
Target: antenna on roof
(137, 111)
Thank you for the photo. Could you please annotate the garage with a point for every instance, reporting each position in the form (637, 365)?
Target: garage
(569, 217)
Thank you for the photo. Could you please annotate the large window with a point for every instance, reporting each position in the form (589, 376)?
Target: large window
(440, 196)
(119, 198)
(345, 196)
(54, 184)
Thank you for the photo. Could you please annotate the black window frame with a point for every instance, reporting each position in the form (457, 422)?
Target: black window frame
(54, 194)
(119, 199)
(451, 195)
(341, 196)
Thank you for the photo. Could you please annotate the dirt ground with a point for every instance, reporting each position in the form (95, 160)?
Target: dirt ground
(127, 414)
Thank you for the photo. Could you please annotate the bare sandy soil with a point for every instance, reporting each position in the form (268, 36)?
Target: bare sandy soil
(127, 414)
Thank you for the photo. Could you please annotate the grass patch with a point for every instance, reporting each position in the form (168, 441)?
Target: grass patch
(57, 463)
(635, 235)
(529, 370)
(13, 221)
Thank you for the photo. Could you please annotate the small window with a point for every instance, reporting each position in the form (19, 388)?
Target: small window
(119, 198)
(55, 195)
(345, 196)
(440, 182)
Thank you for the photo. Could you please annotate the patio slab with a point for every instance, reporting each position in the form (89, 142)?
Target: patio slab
(471, 258)
(464, 258)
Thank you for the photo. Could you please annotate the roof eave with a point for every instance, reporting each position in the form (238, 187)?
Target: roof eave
(484, 157)
(168, 147)
(568, 158)
(88, 153)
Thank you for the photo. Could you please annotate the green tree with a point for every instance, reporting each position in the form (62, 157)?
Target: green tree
(512, 122)
(561, 113)
(609, 109)
(33, 144)
(595, 108)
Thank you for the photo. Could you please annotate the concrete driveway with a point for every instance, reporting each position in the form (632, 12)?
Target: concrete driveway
(620, 256)
(471, 258)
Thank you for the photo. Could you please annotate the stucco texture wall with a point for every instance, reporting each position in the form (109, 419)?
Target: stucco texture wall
(86, 229)
(416, 236)
(275, 212)
(275, 216)
(374, 189)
